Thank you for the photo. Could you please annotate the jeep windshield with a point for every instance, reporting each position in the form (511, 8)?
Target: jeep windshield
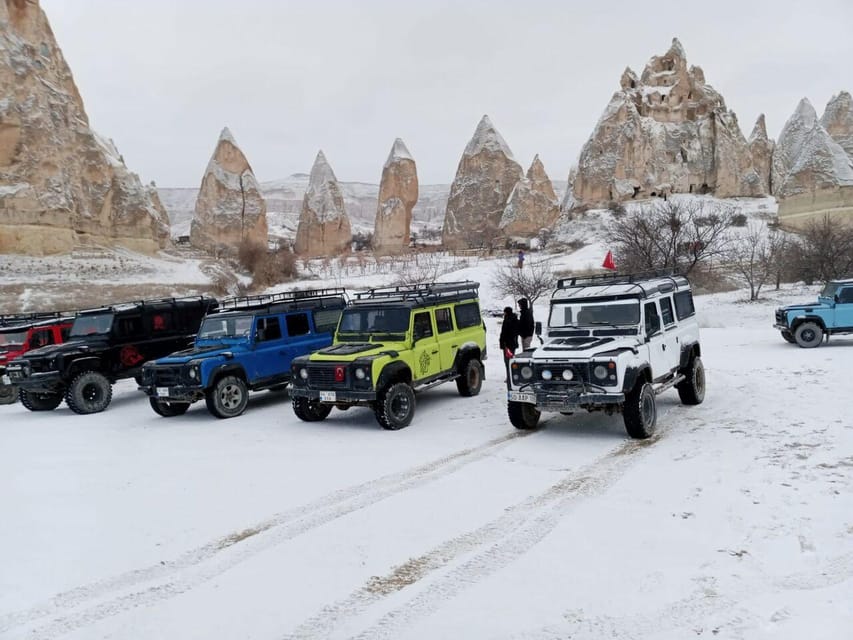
(361, 324)
(226, 327)
(587, 314)
(829, 290)
(13, 338)
(95, 324)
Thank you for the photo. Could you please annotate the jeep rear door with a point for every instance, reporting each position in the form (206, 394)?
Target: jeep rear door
(448, 341)
(426, 361)
(269, 358)
(658, 357)
(671, 333)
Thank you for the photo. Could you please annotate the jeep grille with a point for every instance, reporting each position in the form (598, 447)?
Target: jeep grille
(780, 316)
(167, 377)
(580, 372)
(323, 377)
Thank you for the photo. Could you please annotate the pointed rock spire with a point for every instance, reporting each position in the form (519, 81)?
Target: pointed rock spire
(398, 194)
(837, 119)
(484, 179)
(324, 227)
(230, 209)
(761, 150)
(532, 205)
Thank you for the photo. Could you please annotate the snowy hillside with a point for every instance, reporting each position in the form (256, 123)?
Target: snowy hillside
(734, 522)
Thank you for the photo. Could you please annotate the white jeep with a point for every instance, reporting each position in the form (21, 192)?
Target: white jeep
(613, 343)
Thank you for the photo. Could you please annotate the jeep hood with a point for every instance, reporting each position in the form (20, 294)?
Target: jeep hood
(360, 349)
(806, 306)
(75, 346)
(584, 346)
(200, 353)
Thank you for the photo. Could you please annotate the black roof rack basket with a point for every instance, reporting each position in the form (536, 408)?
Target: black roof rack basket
(17, 319)
(422, 293)
(287, 300)
(614, 278)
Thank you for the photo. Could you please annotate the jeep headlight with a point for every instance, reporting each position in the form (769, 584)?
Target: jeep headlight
(546, 374)
(568, 374)
(193, 373)
(600, 372)
(526, 372)
(303, 373)
(360, 373)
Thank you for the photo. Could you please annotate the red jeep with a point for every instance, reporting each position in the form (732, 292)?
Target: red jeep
(23, 334)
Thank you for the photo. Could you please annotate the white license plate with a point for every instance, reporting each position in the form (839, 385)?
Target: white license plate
(5, 380)
(520, 396)
(162, 392)
(328, 396)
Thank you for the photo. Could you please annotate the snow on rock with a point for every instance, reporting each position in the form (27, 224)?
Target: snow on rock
(666, 131)
(761, 149)
(324, 227)
(230, 208)
(837, 119)
(486, 176)
(80, 191)
(398, 193)
(532, 205)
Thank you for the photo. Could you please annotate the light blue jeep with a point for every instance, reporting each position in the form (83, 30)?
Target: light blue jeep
(808, 324)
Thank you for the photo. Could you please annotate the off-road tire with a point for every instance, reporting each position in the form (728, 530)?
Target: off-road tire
(523, 415)
(808, 335)
(470, 379)
(89, 392)
(39, 401)
(787, 336)
(168, 409)
(8, 394)
(310, 410)
(640, 412)
(227, 398)
(692, 390)
(395, 406)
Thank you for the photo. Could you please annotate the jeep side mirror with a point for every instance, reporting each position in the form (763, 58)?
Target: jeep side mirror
(538, 328)
(837, 298)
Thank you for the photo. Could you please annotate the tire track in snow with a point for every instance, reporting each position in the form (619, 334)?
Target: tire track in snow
(507, 537)
(235, 548)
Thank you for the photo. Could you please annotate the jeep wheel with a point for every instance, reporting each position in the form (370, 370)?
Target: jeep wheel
(168, 409)
(89, 392)
(523, 415)
(808, 335)
(228, 397)
(692, 390)
(787, 336)
(310, 410)
(39, 401)
(8, 394)
(395, 406)
(470, 379)
(640, 413)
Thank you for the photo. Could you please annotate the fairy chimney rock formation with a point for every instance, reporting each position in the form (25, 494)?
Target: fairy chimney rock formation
(812, 174)
(486, 176)
(398, 194)
(532, 205)
(230, 208)
(324, 227)
(664, 132)
(761, 150)
(61, 184)
(837, 119)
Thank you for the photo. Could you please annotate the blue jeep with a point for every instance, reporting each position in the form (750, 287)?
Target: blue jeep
(247, 344)
(832, 314)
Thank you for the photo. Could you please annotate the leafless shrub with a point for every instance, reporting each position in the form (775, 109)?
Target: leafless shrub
(753, 256)
(823, 251)
(532, 281)
(250, 255)
(277, 266)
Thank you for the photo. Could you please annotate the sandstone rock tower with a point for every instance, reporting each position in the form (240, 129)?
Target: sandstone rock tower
(324, 227)
(761, 150)
(61, 184)
(230, 208)
(837, 119)
(666, 132)
(532, 205)
(398, 194)
(485, 178)
(812, 174)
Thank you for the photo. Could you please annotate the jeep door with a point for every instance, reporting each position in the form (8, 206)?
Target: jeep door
(671, 333)
(426, 361)
(844, 309)
(658, 358)
(269, 356)
(448, 341)
(302, 337)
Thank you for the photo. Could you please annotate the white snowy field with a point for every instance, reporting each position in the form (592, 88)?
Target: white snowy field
(735, 521)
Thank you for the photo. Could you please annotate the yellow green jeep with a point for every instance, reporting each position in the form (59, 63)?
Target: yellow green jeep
(390, 343)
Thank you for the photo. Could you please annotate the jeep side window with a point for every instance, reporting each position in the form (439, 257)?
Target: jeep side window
(65, 332)
(442, 320)
(129, 327)
(684, 305)
(297, 324)
(467, 315)
(268, 329)
(422, 325)
(846, 296)
(652, 319)
(41, 339)
(326, 320)
(666, 311)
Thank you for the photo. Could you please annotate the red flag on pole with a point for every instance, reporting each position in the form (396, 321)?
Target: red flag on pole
(608, 261)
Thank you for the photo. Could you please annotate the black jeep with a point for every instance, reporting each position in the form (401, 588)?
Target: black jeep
(105, 345)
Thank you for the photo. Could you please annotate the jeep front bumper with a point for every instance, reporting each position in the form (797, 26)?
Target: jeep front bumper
(568, 398)
(342, 396)
(46, 382)
(181, 393)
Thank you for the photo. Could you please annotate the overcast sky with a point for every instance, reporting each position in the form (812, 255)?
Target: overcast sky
(162, 77)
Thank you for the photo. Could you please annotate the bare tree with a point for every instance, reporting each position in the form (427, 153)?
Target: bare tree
(531, 282)
(674, 235)
(825, 250)
(752, 255)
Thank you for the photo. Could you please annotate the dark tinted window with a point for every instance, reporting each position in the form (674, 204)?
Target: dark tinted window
(846, 295)
(297, 324)
(652, 319)
(666, 311)
(41, 338)
(326, 320)
(65, 332)
(467, 315)
(422, 326)
(684, 305)
(268, 329)
(128, 327)
(442, 320)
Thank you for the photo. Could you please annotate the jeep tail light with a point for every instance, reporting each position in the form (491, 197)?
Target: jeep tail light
(340, 373)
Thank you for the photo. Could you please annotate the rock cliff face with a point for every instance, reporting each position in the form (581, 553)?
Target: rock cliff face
(486, 176)
(532, 205)
(761, 150)
(61, 185)
(838, 121)
(812, 174)
(398, 194)
(665, 131)
(324, 227)
(230, 207)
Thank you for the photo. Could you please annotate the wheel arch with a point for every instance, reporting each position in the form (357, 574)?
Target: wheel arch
(226, 370)
(466, 351)
(633, 374)
(688, 352)
(392, 372)
(810, 318)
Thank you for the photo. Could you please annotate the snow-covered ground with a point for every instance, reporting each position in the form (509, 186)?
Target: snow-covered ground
(736, 521)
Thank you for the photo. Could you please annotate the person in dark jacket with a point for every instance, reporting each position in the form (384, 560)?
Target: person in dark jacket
(509, 336)
(525, 324)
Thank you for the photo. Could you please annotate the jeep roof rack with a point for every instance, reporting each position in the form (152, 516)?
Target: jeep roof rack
(285, 300)
(425, 293)
(19, 319)
(662, 280)
(133, 304)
